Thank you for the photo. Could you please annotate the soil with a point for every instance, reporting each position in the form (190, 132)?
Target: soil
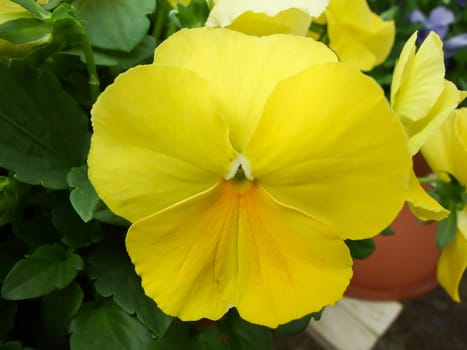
(430, 322)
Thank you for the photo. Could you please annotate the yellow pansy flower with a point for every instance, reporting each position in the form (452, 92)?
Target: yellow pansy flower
(423, 99)
(446, 152)
(10, 11)
(357, 35)
(243, 163)
(264, 17)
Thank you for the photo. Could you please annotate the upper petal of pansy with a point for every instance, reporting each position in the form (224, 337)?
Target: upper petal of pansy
(338, 153)
(241, 70)
(263, 17)
(156, 141)
(451, 266)
(357, 35)
(446, 150)
(226, 248)
(418, 78)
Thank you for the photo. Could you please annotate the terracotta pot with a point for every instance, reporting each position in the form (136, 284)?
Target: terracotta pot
(403, 265)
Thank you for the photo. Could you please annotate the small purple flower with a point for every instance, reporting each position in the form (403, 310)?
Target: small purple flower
(462, 3)
(438, 21)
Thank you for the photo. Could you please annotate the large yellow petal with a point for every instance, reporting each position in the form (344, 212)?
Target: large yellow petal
(357, 35)
(235, 246)
(418, 78)
(446, 150)
(156, 141)
(329, 144)
(422, 204)
(244, 75)
(262, 17)
(451, 266)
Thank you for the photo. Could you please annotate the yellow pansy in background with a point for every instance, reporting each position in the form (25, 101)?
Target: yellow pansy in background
(247, 162)
(357, 35)
(423, 99)
(446, 152)
(10, 11)
(263, 17)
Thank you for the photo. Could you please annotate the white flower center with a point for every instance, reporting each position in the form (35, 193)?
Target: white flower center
(239, 167)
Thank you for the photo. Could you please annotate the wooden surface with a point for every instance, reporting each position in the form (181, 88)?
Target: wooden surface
(353, 324)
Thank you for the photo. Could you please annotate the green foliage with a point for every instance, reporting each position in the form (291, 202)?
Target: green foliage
(360, 249)
(123, 26)
(192, 16)
(44, 133)
(106, 326)
(7, 318)
(115, 277)
(47, 268)
(294, 327)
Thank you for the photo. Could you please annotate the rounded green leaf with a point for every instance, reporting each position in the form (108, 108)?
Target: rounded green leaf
(106, 326)
(49, 267)
(123, 25)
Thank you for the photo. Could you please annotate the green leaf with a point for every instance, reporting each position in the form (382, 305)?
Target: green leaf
(57, 311)
(360, 249)
(180, 335)
(194, 15)
(115, 24)
(43, 133)
(106, 326)
(388, 231)
(210, 338)
(76, 233)
(47, 268)
(294, 327)
(10, 252)
(7, 318)
(242, 335)
(14, 345)
(34, 8)
(35, 230)
(115, 276)
(446, 230)
(83, 197)
(140, 54)
(25, 30)
(102, 213)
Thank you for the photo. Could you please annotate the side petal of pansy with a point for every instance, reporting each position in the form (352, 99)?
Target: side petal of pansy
(339, 154)
(157, 140)
(264, 17)
(357, 35)
(418, 79)
(452, 264)
(244, 75)
(226, 248)
(446, 151)
(422, 204)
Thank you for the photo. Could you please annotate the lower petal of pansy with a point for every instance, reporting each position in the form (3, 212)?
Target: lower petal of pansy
(156, 141)
(234, 246)
(422, 204)
(338, 153)
(451, 266)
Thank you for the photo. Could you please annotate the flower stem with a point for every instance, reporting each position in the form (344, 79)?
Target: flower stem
(93, 78)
